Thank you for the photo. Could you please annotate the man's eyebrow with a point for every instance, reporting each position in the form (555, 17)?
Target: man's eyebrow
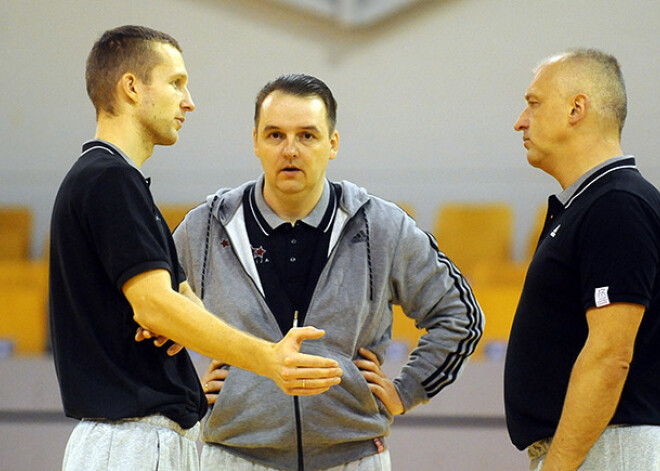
(179, 76)
(311, 127)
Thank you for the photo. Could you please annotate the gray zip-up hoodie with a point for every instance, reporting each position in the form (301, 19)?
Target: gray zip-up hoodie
(377, 257)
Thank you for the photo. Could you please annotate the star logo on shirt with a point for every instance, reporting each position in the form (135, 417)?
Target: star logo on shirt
(258, 253)
(225, 243)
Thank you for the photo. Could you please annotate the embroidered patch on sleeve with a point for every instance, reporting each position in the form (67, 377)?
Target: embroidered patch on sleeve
(600, 296)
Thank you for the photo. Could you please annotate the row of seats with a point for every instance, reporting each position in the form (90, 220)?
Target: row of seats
(477, 237)
(23, 285)
(15, 232)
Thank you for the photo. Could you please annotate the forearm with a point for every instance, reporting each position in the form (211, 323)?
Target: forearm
(187, 291)
(158, 308)
(177, 317)
(591, 399)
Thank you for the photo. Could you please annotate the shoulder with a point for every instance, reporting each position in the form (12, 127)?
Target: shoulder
(354, 197)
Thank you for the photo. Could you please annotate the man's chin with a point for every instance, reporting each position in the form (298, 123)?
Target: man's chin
(167, 140)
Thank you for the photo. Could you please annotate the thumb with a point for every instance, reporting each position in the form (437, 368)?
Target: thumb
(298, 334)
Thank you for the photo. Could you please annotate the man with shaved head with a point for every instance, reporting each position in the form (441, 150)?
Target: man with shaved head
(582, 375)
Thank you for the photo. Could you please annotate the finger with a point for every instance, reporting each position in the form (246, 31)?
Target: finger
(160, 341)
(213, 387)
(369, 355)
(214, 381)
(310, 361)
(211, 398)
(373, 378)
(216, 364)
(213, 365)
(141, 334)
(291, 375)
(367, 365)
(218, 375)
(298, 334)
(310, 387)
(174, 349)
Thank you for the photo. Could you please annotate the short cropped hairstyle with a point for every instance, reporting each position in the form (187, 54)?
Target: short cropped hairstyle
(299, 85)
(599, 75)
(118, 51)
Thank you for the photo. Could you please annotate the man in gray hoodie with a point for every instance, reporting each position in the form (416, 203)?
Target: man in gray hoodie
(291, 249)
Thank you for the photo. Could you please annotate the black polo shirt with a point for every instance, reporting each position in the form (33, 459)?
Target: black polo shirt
(289, 258)
(105, 229)
(600, 245)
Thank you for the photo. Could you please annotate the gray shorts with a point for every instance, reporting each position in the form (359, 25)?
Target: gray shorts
(215, 458)
(148, 443)
(619, 448)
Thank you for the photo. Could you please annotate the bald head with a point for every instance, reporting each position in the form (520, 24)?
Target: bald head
(596, 75)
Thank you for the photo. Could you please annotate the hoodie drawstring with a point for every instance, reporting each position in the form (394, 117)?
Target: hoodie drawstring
(207, 245)
(371, 274)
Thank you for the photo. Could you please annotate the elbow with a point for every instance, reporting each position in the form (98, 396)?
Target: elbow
(613, 363)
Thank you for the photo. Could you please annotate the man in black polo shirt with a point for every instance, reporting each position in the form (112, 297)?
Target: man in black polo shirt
(114, 268)
(582, 375)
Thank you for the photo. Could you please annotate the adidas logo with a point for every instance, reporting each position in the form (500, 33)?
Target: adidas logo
(359, 237)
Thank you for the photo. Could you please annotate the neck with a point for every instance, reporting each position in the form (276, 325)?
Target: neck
(124, 134)
(291, 207)
(582, 158)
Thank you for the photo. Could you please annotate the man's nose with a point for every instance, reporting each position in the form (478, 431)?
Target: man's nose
(521, 123)
(188, 103)
(290, 148)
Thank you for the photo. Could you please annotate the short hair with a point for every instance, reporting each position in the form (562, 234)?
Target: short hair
(299, 85)
(599, 75)
(118, 51)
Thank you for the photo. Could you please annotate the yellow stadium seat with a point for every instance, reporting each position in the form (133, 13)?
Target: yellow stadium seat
(497, 288)
(174, 213)
(23, 305)
(535, 232)
(473, 233)
(403, 328)
(15, 232)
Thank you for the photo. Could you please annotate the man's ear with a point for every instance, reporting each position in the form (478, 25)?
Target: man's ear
(579, 109)
(127, 87)
(334, 144)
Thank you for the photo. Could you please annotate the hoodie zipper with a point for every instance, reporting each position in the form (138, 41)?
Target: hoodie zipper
(296, 411)
(296, 401)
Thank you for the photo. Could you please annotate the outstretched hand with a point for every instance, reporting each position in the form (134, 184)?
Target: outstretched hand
(298, 373)
(379, 384)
